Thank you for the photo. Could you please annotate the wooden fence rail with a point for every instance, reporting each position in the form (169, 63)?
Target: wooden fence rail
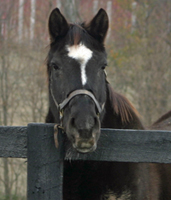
(45, 162)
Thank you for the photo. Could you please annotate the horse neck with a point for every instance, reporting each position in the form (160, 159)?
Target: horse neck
(119, 112)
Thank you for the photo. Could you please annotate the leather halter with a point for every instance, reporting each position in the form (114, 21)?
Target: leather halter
(61, 106)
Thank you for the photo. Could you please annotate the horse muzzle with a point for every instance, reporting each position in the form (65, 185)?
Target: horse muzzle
(83, 132)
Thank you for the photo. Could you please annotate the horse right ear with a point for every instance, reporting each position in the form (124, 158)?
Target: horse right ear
(98, 26)
(58, 26)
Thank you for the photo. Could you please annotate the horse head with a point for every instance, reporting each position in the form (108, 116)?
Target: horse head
(77, 80)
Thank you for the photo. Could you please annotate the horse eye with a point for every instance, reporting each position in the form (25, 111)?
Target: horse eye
(54, 66)
(104, 66)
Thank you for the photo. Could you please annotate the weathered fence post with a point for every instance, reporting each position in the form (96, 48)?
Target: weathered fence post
(45, 163)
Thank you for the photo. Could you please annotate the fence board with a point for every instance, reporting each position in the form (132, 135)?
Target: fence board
(113, 145)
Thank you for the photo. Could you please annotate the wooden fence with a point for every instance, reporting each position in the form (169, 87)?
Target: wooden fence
(45, 162)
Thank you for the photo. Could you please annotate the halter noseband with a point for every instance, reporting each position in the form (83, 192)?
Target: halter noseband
(78, 92)
(72, 95)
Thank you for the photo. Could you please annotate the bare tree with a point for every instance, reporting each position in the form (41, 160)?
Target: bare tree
(141, 60)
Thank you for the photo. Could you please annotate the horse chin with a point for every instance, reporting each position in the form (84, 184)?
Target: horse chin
(85, 150)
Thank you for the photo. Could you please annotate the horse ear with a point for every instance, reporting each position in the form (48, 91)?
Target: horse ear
(98, 26)
(58, 26)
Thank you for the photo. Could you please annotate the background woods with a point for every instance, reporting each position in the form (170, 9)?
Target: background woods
(139, 59)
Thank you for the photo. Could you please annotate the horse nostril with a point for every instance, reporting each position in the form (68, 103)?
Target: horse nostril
(72, 138)
(95, 120)
(73, 122)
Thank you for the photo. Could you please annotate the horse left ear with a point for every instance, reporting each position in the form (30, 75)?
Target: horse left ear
(58, 25)
(98, 26)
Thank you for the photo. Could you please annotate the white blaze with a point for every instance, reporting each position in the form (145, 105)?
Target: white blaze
(82, 54)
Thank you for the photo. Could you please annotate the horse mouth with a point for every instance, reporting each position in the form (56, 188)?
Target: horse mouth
(84, 147)
(85, 150)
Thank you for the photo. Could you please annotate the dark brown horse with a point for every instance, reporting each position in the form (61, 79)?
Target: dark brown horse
(163, 123)
(82, 101)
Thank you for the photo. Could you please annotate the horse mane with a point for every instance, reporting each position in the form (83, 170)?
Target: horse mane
(122, 106)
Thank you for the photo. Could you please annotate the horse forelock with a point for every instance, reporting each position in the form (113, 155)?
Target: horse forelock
(122, 106)
(76, 34)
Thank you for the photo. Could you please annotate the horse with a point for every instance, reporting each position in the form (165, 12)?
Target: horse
(163, 123)
(82, 101)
